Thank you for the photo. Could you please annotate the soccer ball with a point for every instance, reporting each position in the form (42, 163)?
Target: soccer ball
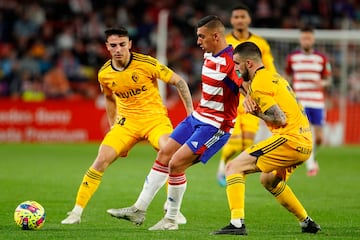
(29, 215)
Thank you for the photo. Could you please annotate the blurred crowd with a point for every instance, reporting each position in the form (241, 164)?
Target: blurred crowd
(53, 49)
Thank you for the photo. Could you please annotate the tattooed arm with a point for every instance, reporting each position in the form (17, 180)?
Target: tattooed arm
(184, 92)
(274, 115)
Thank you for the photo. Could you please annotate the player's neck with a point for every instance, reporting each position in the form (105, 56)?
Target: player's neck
(120, 65)
(307, 50)
(222, 45)
(241, 34)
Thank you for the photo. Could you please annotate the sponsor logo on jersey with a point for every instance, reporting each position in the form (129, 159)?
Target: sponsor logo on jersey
(131, 92)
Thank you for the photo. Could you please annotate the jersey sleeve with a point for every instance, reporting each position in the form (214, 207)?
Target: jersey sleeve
(327, 68)
(161, 71)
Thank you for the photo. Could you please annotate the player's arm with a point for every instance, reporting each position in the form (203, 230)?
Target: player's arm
(273, 115)
(110, 104)
(184, 92)
(326, 81)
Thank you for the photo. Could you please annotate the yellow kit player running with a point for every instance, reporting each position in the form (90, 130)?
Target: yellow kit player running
(270, 98)
(246, 125)
(135, 112)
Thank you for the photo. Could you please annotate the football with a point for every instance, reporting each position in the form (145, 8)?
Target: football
(29, 215)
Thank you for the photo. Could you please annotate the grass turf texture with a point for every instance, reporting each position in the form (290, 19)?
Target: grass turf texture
(51, 174)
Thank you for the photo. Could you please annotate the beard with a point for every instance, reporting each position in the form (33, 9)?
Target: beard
(246, 76)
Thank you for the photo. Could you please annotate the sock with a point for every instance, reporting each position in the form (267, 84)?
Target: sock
(285, 196)
(235, 191)
(310, 163)
(153, 182)
(89, 185)
(78, 210)
(177, 187)
(238, 222)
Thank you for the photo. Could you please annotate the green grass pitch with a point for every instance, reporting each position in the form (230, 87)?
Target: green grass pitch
(51, 174)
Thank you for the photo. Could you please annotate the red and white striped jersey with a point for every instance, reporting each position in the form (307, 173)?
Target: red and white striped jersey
(307, 71)
(220, 91)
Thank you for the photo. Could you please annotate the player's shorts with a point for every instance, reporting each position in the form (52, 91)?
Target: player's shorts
(203, 139)
(278, 152)
(316, 116)
(245, 122)
(129, 131)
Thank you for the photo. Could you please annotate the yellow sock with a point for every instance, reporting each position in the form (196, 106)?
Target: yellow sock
(89, 185)
(231, 147)
(285, 196)
(235, 191)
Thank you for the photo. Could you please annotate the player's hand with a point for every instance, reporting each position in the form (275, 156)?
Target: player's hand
(250, 105)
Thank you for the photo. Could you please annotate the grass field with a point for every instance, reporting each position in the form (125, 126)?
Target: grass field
(51, 174)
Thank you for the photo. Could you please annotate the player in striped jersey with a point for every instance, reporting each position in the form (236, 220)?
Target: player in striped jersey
(135, 112)
(198, 137)
(246, 125)
(270, 98)
(309, 72)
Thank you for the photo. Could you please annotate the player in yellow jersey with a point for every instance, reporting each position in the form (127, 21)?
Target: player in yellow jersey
(135, 112)
(270, 98)
(246, 125)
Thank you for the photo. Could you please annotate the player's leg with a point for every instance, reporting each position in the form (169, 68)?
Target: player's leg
(230, 148)
(176, 187)
(204, 142)
(243, 136)
(284, 159)
(110, 148)
(157, 132)
(316, 118)
(236, 171)
(278, 187)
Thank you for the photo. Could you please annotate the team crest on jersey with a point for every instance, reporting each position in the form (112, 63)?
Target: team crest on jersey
(135, 77)
(113, 84)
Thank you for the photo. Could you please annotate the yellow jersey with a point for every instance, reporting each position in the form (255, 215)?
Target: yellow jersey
(136, 87)
(268, 89)
(261, 43)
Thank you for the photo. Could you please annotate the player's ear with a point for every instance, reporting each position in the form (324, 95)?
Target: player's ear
(130, 44)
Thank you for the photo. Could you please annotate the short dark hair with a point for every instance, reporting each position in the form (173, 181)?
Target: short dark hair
(241, 6)
(248, 50)
(211, 21)
(120, 31)
(307, 28)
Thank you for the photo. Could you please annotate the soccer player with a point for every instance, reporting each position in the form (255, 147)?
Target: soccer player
(135, 112)
(309, 72)
(199, 136)
(270, 98)
(246, 125)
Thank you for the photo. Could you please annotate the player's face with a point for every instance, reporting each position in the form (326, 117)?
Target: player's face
(206, 39)
(307, 41)
(240, 67)
(119, 48)
(240, 19)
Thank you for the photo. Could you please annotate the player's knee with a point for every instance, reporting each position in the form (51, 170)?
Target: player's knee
(103, 160)
(268, 180)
